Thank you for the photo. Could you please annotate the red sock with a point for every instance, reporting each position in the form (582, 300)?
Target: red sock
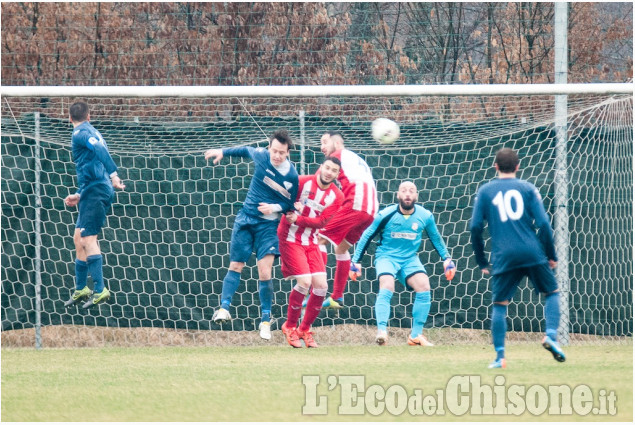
(313, 307)
(341, 277)
(295, 308)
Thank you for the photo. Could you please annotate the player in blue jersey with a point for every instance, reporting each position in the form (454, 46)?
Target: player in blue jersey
(513, 209)
(400, 228)
(97, 178)
(272, 192)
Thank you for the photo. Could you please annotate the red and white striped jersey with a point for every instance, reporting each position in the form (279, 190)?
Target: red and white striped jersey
(318, 206)
(357, 182)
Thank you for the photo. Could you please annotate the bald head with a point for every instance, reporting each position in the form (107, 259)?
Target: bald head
(407, 196)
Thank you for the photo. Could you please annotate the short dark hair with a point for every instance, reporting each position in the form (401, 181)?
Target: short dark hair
(334, 160)
(507, 160)
(335, 133)
(79, 111)
(283, 137)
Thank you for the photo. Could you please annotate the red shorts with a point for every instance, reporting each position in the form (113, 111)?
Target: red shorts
(347, 224)
(300, 260)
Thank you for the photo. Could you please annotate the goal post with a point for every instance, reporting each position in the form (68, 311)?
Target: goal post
(166, 242)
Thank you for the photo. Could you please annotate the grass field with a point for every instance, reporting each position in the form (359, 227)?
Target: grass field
(266, 383)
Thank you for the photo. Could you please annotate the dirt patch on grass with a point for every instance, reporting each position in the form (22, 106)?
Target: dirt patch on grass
(67, 336)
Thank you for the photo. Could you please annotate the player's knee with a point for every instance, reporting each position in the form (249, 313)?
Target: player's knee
(236, 266)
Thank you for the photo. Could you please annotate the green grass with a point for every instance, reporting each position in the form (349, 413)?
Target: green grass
(265, 383)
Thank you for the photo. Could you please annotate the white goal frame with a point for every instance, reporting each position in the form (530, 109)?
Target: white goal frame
(559, 91)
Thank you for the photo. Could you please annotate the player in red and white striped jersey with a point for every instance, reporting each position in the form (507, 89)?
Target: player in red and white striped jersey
(300, 255)
(356, 214)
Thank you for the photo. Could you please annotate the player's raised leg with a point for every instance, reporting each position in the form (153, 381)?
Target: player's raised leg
(94, 263)
(82, 292)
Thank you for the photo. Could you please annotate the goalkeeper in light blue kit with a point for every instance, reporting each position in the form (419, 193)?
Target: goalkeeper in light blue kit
(513, 210)
(272, 192)
(400, 229)
(97, 178)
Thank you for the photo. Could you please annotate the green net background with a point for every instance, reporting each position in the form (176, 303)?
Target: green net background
(166, 241)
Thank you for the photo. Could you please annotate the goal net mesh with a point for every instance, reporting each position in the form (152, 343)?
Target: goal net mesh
(166, 241)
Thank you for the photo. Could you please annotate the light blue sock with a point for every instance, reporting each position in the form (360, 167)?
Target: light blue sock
(420, 311)
(552, 314)
(265, 288)
(95, 265)
(382, 308)
(499, 329)
(230, 285)
(81, 274)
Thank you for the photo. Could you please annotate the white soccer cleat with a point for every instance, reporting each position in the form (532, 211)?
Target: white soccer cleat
(265, 330)
(221, 315)
(381, 338)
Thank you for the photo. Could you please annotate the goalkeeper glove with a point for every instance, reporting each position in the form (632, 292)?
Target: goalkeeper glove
(355, 272)
(449, 269)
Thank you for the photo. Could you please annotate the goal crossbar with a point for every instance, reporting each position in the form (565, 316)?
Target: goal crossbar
(317, 91)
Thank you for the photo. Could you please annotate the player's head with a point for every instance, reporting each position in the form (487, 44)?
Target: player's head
(507, 161)
(329, 170)
(79, 112)
(280, 144)
(407, 195)
(331, 141)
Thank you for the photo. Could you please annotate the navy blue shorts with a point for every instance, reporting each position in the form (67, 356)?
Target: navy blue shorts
(504, 285)
(252, 234)
(94, 205)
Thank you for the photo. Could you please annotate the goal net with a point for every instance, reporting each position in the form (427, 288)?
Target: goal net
(166, 241)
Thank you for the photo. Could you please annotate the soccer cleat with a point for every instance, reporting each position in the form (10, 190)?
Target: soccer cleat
(307, 337)
(292, 336)
(554, 348)
(265, 330)
(498, 364)
(331, 303)
(79, 296)
(419, 340)
(381, 338)
(99, 298)
(221, 316)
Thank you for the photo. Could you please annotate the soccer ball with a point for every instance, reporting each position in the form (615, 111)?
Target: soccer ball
(385, 131)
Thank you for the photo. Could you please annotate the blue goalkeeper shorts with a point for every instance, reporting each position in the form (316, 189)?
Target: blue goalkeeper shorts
(504, 285)
(401, 269)
(253, 234)
(94, 205)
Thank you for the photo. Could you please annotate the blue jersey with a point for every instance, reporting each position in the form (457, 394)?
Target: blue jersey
(401, 235)
(92, 160)
(268, 185)
(513, 210)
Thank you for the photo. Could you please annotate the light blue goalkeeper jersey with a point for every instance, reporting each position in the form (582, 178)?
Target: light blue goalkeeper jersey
(92, 160)
(400, 235)
(267, 185)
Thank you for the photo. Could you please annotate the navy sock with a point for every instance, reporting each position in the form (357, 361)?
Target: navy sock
(230, 285)
(499, 329)
(96, 269)
(552, 314)
(265, 288)
(81, 274)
